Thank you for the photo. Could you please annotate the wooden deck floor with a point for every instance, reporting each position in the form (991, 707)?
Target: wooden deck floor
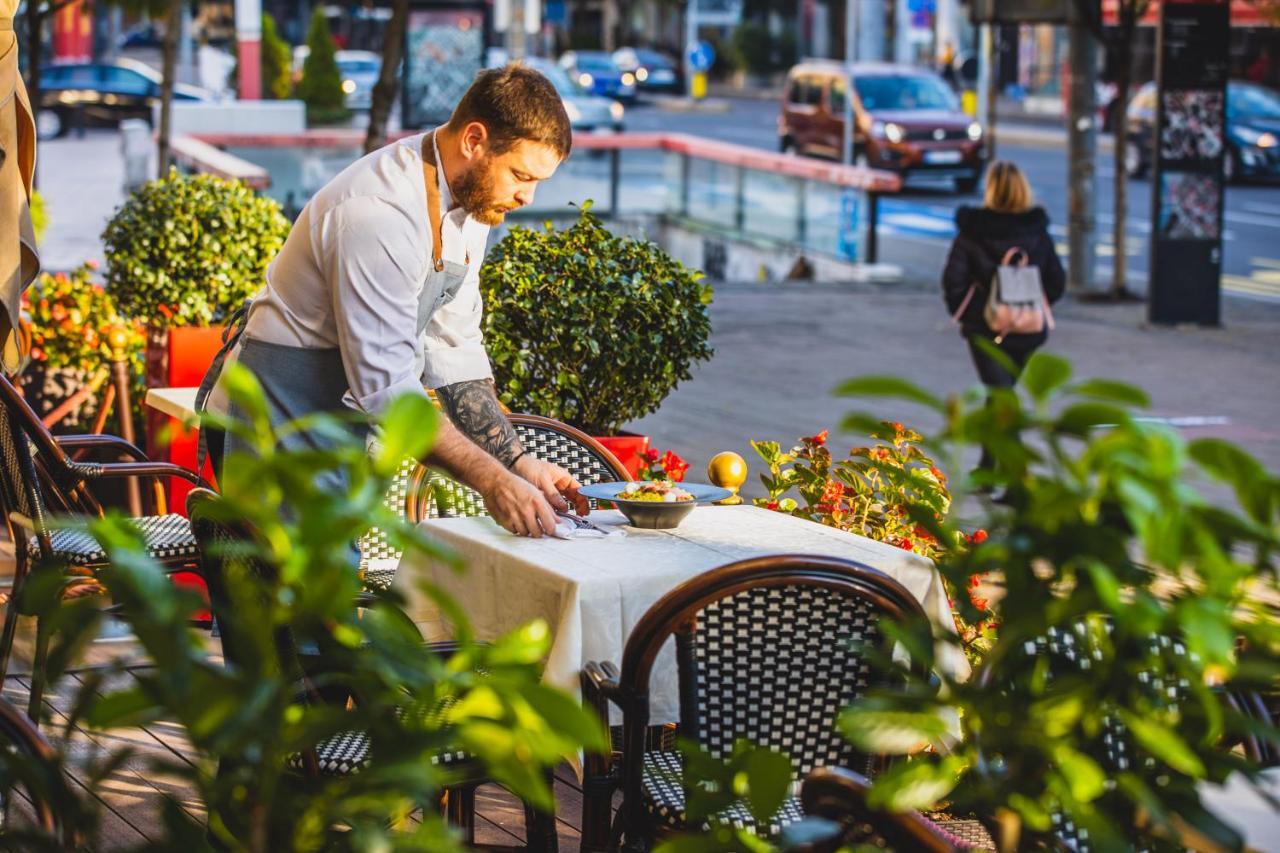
(131, 796)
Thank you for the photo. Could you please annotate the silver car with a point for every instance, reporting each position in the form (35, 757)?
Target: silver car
(586, 111)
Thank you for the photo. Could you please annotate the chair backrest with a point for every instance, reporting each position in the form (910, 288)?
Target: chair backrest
(418, 492)
(19, 480)
(771, 649)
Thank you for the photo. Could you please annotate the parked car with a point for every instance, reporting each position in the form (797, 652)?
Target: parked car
(597, 73)
(101, 94)
(586, 112)
(654, 72)
(906, 120)
(360, 70)
(1252, 132)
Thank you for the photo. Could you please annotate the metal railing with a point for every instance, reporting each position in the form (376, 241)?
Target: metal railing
(730, 189)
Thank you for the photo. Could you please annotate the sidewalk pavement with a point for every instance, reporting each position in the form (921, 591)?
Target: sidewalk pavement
(782, 348)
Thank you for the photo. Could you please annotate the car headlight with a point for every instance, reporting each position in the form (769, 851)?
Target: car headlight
(628, 79)
(585, 79)
(572, 111)
(894, 132)
(975, 131)
(1260, 138)
(642, 74)
(616, 110)
(349, 86)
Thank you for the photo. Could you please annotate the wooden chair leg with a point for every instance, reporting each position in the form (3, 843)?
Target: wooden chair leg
(10, 631)
(540, 826)
(38, 673)
(461, 808)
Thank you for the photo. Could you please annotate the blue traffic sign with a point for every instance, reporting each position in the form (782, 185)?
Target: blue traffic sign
(701, 55)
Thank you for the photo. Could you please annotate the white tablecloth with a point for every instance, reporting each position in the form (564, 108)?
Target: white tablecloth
(593, 591)
(1239, 803)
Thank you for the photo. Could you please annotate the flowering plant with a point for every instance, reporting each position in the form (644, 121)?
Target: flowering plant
(871, 493)
(662, 466)
(69, 316)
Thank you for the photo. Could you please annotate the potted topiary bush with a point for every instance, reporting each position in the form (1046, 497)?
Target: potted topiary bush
(184, 252)
(591, 328)
(321, 83)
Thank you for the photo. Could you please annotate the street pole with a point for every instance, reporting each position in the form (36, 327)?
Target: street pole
(987, 87)
(1082, 150)
(690, 37)
(850, 52)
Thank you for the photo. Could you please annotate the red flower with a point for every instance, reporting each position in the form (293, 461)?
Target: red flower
(650, 455)
(936, 472)
(819, 439)
(882, 453)
(674, 466)
(91, 264)
(58, 313)
(771, 505)
(833, 492)
(897, 427)
(979, 536)
(905, 544)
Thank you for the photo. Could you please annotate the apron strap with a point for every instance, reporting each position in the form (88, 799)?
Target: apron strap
(431, 180)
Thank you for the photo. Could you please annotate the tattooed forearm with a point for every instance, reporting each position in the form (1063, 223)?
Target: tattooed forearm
(473, 408)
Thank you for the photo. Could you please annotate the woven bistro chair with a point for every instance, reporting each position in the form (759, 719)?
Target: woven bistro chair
(38, 478)
(840, 795)
(769, 649)
(419, 492)
(347, 752)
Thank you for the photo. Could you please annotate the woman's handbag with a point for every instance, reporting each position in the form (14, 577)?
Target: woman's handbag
(1016, 303)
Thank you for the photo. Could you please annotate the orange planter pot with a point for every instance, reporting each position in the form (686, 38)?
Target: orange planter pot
(178, 358)
(628, 448)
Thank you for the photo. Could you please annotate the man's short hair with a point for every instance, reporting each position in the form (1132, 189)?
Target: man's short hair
(515, 103)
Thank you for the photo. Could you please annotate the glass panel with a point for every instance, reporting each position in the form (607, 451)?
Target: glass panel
(835, 220)
(585, 175)
(711, 192)
(644, 181)
(770, 205)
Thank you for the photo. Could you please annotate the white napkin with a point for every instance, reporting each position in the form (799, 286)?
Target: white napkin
(567, 528)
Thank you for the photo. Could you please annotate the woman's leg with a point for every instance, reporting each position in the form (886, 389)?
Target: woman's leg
(993, 374)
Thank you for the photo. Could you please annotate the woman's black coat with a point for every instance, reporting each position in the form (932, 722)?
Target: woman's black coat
(985, 236)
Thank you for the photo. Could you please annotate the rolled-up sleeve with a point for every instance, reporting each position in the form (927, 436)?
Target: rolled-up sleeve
(454, 342)
(372, 254)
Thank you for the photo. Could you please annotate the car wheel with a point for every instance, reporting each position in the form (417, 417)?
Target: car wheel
(1134, 165)
(860, 160)
(1230, 166)
(50, 124)
(787, 145)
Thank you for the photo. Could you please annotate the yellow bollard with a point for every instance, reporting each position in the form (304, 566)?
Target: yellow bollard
(699, 87)
(728, 470)
(969, 102)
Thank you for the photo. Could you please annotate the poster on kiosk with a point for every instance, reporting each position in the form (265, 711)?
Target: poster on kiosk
(1187, 182)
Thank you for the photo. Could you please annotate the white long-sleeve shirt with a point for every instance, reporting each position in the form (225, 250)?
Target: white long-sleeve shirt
(350, 273)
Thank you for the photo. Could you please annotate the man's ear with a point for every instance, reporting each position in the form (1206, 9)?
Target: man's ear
(475, 140)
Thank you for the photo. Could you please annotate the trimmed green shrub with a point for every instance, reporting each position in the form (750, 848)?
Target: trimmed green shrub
(188, 250)
(321, 84)
(588, 327)
(276, 62)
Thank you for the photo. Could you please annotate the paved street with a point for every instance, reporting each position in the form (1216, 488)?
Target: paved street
(926, 210)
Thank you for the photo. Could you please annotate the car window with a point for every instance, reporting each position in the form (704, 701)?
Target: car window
(565, 87)
(73, 77)
(595, 63)
(806, 91)
(836, 95)
(1244, 99)
(905, 92)
(358, 66)
(123, 81)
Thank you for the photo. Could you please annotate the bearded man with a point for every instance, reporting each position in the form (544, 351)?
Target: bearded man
(376, 293)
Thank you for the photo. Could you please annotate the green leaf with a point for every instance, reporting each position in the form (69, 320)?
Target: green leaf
(1165, 744)
(884, 732)
(768, 782)
(408, 430)
(888, 386)
(1085, 778)
(916, 784)
(1080, 419)
(1111, 391)
(1043, 374)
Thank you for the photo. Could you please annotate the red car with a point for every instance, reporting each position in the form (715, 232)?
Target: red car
(906, 120)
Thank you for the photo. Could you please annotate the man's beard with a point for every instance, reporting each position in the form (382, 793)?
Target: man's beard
(474, 194)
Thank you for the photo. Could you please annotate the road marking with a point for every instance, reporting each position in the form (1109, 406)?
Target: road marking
(1251, 219)
(919, 222)
(1262, 283)
(1260, 207)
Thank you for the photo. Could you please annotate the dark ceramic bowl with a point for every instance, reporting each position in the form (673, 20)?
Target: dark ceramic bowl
(653, 515)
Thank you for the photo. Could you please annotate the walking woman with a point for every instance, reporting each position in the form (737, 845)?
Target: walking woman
(1006, 227)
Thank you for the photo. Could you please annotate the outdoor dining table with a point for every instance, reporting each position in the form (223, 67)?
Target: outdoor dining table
(592, 591)
(177, 403)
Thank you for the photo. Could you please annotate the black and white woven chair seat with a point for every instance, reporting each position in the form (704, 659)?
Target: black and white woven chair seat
(348, 752)
(167, 538)
(664, 799)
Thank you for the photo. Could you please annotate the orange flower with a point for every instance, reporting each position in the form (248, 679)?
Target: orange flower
(819, 439)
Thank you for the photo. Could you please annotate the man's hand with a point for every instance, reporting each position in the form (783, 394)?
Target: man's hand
(519, 507)
(555, 483)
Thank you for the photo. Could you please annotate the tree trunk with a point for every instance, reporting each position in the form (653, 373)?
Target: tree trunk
(384, 93)
(169, 57)
(1120, 135)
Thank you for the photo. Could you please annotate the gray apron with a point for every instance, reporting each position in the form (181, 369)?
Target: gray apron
(299, 381)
